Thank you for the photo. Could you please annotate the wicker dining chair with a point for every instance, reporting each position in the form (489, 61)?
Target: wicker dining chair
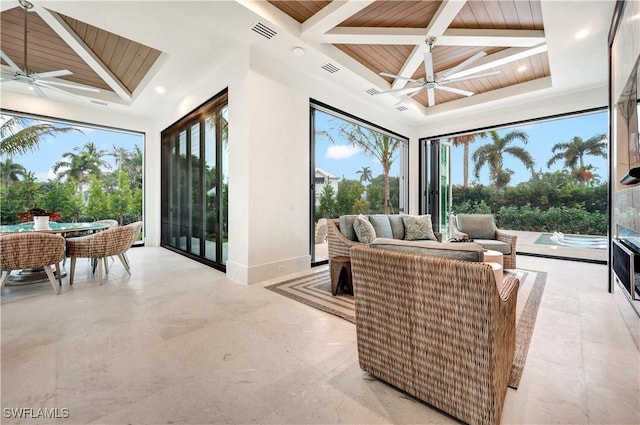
(111, 242)
(31, 250)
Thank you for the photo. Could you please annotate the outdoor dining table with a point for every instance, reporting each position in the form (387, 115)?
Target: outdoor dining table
(65, 229)
(62, 228)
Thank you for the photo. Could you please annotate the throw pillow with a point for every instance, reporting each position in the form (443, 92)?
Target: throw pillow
(364, 229)
(417, 227)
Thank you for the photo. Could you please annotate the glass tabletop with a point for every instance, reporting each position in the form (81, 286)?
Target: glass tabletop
(53, 227)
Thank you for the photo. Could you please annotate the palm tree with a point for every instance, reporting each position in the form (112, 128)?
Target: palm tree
(365, 175)
(465, 140)
(19, 137)
(378, 145)
(10, 172)
(492, 155)
(573, 153)
(86, 161)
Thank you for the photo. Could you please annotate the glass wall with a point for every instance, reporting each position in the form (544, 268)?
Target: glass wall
(357, 168)
(544, 180)
(194, 184)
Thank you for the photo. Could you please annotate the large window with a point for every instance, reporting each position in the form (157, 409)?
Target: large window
(194, 183)
(544, 180)
(357, 168)
(79, 171)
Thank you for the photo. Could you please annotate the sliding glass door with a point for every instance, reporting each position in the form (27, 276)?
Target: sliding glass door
(194, 184)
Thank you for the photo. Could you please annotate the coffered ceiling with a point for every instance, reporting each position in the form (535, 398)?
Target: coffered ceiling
(390, 37)
(129, 50)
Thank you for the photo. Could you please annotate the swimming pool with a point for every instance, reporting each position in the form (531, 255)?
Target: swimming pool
(573, 241)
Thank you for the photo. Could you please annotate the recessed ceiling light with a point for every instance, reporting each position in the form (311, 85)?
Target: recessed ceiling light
(522, 68)
(581, 34)
(298, 51)
(160, 90)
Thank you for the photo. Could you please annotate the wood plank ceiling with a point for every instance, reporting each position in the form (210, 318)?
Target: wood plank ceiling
(513, 28)
(127, 60)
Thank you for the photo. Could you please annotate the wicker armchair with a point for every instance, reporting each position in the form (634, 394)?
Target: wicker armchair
(31, 250)
(442, 330)
(111, 242)
(482, 229)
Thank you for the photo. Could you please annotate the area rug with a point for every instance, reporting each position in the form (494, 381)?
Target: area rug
(315, 290)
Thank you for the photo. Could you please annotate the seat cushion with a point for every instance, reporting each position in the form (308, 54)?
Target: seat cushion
(364, 229)
(495, 245)
(381, 225)
(465, 251)
(477, 226)
(418, 227)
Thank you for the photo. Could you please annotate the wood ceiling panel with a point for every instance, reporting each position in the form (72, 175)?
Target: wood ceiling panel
(120, 55)
(47, 51)
(391, 13)
(387, 58)
(502, 14)
(300, 10)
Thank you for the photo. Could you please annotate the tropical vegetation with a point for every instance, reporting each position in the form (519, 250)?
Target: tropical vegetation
(84, 188)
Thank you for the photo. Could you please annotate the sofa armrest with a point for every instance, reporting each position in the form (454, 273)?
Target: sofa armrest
(453, 230)
(339, 244)
(507, 238)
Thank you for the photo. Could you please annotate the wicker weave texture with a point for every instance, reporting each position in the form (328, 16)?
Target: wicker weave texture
(29, 250)
(113, 241)
(440, 329)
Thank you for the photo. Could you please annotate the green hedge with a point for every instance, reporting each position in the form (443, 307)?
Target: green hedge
(541, 206)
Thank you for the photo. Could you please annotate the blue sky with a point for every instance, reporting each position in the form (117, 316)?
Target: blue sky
(341, 159)
(51, 148)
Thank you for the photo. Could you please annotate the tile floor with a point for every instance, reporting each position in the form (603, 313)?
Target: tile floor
(179, 343)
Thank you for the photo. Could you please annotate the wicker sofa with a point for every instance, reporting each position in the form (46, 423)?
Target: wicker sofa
(439, 329)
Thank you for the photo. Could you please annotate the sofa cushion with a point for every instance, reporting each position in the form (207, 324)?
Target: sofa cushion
(397, 226)
(477, 226)
(495, 245)
(465, 251)
(418, 227)
(364, 229)
(346, 227)
(381, 225)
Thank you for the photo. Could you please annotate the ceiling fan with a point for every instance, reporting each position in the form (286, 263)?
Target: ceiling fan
(431, 82)
(38, 80)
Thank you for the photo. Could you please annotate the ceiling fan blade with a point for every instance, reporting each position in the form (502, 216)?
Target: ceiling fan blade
(72, 86)
(51, 74)
(11, 63)
(398, 77)
(470, 77)
(462, 65)
(431, 97)
(49, 87)
(38, 90)
(406, 98)
(428, 66)
(4, 80)
(404, 90)
(455, 90)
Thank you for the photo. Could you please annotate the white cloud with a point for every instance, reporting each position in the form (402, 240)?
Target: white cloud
(341, 151)
(45, 176)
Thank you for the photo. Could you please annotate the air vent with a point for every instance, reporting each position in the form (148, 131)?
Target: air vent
(329, 67)
(401, 108)
(263, 30)
(372, 91)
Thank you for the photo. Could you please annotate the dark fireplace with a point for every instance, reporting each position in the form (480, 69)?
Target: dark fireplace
(626, 263)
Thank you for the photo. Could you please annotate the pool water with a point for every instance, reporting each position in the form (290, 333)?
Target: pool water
(573, 241)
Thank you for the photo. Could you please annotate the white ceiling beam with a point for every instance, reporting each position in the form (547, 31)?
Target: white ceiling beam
(443, 17)
(331, 16)
(451, 37)
(498, 59)
(86, 54)
(493, 38)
